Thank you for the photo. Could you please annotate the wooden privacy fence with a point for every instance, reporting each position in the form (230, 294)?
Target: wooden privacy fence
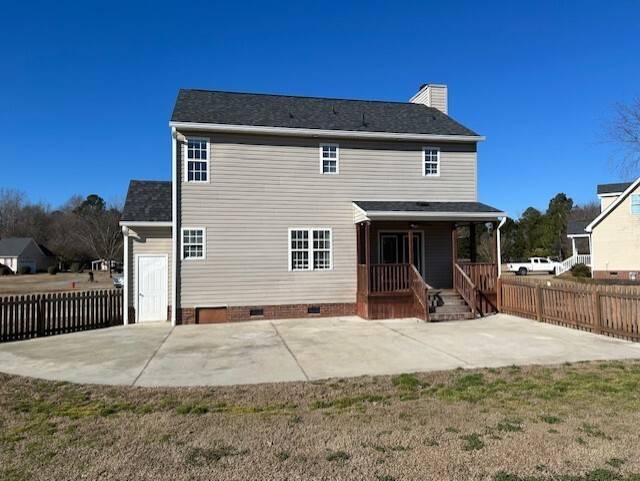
(610, 310)
(37, 315)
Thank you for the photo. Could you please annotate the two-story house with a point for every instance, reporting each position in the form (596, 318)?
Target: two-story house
(615, 234)
(283, 206)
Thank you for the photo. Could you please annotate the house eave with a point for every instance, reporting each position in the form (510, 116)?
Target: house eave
(321, 133)
(133, 223)
(435, 216)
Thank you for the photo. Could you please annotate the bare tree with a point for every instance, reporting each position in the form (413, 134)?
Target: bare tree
(12, 202)
(97, 228)
(622, 130)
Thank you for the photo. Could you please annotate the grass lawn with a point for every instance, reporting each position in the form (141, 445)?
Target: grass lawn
(43, 282)
(571, 422)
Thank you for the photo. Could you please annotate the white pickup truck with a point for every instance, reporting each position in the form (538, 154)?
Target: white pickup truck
(535, 264)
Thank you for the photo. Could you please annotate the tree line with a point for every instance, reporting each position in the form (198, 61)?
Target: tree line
(80, 230)
(544, 234)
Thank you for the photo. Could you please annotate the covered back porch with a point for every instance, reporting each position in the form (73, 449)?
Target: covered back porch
(413, 254)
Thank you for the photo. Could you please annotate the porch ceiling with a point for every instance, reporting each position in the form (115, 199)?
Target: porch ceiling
(424, 210)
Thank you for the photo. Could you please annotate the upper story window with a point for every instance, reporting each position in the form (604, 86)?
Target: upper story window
(635, 203)
(197, 160)
(309, 249)
(193, 243)
(431, 158)
(329, 158)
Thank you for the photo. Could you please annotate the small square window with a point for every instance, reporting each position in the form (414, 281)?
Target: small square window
(635, 204)
(329, 158)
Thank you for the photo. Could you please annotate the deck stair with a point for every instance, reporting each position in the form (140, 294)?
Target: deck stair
(447, 305)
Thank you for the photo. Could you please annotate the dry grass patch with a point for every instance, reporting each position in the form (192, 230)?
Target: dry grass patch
(570, 422)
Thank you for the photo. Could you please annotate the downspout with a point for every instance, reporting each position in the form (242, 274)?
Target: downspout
(504, 219)
(174, 225)
(125, 287)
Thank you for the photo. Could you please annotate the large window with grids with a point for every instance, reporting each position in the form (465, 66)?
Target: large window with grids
(329, 158)
(431, 158)
(310, 249)
(193, 243)
(197, 160)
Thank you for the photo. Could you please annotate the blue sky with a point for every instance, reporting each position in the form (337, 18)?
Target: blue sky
(86, 90)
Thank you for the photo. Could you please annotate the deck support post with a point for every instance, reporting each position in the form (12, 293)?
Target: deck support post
(367, 253)
(410, 246)
(473, 248)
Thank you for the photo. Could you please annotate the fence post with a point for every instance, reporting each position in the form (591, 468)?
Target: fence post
(538, 303)
(40, 317)
(597, 327)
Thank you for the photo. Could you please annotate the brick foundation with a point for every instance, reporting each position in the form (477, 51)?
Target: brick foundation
(620, 275)
(290, 311)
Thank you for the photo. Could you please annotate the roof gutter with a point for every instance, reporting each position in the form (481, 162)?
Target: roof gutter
(334, 134)
(384, 215)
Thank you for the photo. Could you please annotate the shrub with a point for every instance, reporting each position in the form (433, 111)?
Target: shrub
(24, 270)
(76, 267)
(6, 271)
(580, 270)
(53, 270)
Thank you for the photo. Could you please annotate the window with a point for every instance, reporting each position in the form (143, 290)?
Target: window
(635, 204)
(197, 162)
(309, 249)
(193, 243)
(329, 158)
(431, 157)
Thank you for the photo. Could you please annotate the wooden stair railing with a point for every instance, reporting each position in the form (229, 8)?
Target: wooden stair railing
(420, 293)
(463, 284)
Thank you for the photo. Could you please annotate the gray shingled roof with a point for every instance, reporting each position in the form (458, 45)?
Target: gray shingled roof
(13, 246)
(232, 108)
(613, 188)
(577, 227)
(435, 207)
(148, 201)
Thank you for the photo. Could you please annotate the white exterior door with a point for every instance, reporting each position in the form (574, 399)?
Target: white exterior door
(151, 288)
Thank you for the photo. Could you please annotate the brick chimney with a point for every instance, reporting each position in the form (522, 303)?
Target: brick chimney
(432, 95)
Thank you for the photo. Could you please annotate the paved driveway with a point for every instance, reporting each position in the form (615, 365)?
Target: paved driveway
(298, 350)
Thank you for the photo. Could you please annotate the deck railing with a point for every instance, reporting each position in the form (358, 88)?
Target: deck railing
(567, 264)
(387, 278)
(463, 284)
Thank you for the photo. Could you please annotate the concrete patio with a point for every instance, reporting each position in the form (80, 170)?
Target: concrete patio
(297, 350)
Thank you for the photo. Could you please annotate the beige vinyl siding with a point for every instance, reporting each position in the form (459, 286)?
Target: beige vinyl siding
(260, 187)
(616, 239)
(149, 240)
(607, 201)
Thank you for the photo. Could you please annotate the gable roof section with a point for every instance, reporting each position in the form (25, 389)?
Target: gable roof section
(14, 246)
(147, 201)
(280, 111)
(427, 210)
(632, 186)
(577, 227)
(604, 189)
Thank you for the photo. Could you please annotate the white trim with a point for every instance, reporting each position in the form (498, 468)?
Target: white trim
(186, 160)
(204, 244)
(322, 146)
(343, 134)
(498, 247)
(382, 215)
(125, 273)
(134, 223)
(310, 231)
(612, 207)
(424, 161)
(165, 279)
(174, 226)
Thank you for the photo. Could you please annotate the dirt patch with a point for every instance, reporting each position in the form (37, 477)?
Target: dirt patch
(43, 282)
(504, 424)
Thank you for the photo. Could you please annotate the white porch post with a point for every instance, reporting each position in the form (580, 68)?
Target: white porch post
(125, 285)
(573, 246)
(174, 225)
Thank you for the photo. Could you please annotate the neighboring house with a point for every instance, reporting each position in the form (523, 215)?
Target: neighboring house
(285, 207)
(17, 252)
(615, 233)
